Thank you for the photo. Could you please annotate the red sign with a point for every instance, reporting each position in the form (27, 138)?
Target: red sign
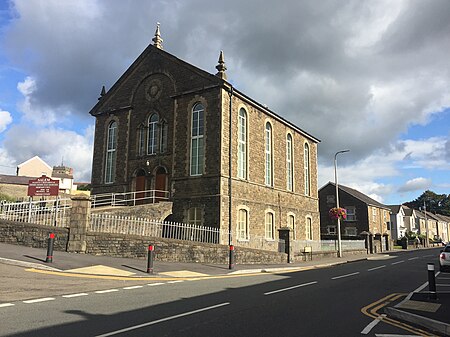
(43, 187)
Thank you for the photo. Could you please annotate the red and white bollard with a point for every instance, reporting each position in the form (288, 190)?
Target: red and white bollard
(50, 242)
(150, 258)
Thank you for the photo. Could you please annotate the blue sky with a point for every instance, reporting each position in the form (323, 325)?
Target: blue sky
(369, 76)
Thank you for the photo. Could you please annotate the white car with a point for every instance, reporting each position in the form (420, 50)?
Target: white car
(444, 258)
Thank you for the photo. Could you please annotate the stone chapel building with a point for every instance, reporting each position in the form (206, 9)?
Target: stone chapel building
(167, 125)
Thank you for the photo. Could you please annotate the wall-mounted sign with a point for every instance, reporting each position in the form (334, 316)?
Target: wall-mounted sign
(43, 187)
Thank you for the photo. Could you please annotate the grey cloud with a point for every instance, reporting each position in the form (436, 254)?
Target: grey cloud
(294, 57)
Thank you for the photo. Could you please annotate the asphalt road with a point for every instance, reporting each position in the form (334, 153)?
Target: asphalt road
(321, 302)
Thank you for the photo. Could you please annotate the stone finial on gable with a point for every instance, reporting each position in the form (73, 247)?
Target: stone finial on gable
(157, 39)
(102, 93)
(221, 67)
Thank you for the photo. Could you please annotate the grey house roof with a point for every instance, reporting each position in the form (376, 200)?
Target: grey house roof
(15, 180)
(361, 196)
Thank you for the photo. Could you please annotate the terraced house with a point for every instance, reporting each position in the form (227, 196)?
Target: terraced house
(220, 157)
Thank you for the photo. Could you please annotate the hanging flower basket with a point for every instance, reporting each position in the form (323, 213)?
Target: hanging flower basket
(337, 213)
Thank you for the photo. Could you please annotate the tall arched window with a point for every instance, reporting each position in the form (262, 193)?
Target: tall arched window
(307, 180)
(152, 138)
(268, 154)
(289, 164)
(309, 229)
(197, 145)
(242, 225)
(291, 225)
(141, 140)
(111, 147)
(270, 226)
(242, 144)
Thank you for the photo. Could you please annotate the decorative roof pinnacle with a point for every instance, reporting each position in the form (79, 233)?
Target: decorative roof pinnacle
(157, 39)
(221, 67)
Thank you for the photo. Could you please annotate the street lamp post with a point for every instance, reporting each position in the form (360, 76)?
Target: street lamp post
(337, 201)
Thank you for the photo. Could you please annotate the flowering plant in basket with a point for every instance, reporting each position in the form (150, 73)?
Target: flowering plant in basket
(337, 213)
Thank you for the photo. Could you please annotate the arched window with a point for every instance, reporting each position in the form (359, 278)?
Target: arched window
(163, 137)
(291, 224)
(141, 140)
(289, 164)
(242, 225)
(309, 229)
(307, 180)
(242, 144)
(111, 147)
(152, 137)
(197, 145)
(268, 155)
(270, 226)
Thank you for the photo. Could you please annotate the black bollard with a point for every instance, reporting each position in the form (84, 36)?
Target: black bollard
(231, 258)
(150, 258)
(51, 240)
(431, 281)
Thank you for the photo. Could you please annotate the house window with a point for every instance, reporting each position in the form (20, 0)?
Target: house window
(242, 144)
(351, 213)
(309, 231)
(270, 226)
(291, 224)
(350, 231)
(152, 137)
(374, 214)
(331, 230)
(307, 182)
(110, 164)
(289, 164)
(195, 216)
(141, 141)
(268, 153)
(331, 199)
(242, 230)
(197, 146)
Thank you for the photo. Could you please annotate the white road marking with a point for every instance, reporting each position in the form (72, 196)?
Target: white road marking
(413, 258)
(131, 328)
(442, 285)
(4, 305)
(155, 284)
(290, 288)
(45, 299)
(397, 262)
(106, 291)
(383, 266)
(390, 335)
(132, 287)
(427, 256)
(75, 295)
(372, 324)
(347, 275)
(179, 281)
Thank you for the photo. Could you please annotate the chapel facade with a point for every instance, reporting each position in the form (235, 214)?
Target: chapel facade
(222, 158)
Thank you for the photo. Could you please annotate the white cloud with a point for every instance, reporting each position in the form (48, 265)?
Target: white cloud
(354, 75)
(5, 120)
(53, 145)
(416, 184)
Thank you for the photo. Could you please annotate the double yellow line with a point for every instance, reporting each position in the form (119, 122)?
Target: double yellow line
(371, 310)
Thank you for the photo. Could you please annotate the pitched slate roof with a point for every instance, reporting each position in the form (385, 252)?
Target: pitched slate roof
(361, 196)
(15, 180)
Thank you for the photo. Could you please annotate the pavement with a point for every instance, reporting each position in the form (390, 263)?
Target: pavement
(419, 308)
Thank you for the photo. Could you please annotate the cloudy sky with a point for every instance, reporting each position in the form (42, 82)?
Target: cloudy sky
(369, 76)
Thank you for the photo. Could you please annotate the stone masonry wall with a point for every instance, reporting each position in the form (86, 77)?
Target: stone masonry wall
(174, 250)
(32, 235)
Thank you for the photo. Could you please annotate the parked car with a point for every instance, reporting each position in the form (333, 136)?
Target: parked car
(444, 258)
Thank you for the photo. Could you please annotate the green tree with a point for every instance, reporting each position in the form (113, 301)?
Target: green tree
(435, 203)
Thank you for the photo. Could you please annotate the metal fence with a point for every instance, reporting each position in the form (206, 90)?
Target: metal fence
(54, 212)
(128, 198)
(107, 223)
(327, 245)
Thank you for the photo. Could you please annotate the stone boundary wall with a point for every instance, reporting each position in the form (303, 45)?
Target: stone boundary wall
(32, 235)
(323, 255)
(171, 250)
